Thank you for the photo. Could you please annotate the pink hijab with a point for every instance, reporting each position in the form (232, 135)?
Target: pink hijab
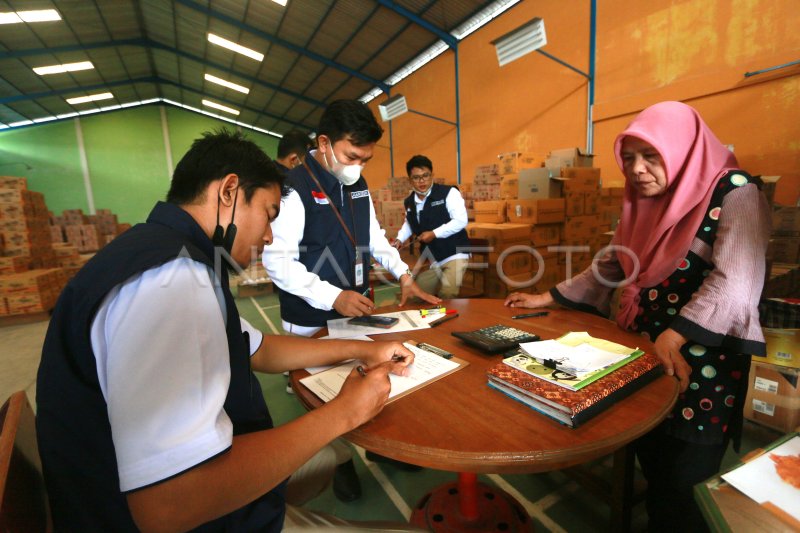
(660, 229)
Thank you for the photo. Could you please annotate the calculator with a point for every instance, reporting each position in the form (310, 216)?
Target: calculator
(495, 339)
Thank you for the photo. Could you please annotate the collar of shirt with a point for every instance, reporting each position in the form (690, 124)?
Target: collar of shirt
(419, 200)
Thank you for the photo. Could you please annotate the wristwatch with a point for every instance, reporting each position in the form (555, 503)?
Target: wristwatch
(410, 274)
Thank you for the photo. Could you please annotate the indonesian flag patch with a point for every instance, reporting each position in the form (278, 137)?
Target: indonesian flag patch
(319, 197)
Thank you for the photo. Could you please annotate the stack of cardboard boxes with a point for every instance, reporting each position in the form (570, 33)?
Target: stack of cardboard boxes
(88, 233)
(30, 281)
(561, 203)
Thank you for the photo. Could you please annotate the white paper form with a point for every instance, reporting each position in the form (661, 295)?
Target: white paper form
(577, 352)
(409, 321)
(425, 368)
(759, 479)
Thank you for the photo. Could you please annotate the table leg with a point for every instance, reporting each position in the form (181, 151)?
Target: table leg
(622, 489)
(468, 495)
(470, 506)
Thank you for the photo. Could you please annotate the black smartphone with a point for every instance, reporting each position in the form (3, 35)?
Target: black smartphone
(374, 321)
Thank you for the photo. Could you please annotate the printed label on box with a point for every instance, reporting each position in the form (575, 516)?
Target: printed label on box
(783, 355)
(763, 407)
(766, 385)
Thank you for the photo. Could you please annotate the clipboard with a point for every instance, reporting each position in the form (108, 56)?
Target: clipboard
(429, 368)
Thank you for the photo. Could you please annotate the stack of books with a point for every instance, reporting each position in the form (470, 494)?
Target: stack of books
(574, 379)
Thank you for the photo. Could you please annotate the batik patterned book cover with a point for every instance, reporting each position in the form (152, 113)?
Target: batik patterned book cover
(575, 401)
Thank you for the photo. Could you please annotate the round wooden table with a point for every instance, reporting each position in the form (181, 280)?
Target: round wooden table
(460, 424)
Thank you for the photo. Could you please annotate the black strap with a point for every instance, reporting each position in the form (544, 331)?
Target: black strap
(330, 203)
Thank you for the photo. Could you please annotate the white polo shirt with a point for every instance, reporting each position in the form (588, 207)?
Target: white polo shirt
(162, 358)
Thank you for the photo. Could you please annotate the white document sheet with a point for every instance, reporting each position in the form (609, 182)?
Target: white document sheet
(759, 479)
(426, 367)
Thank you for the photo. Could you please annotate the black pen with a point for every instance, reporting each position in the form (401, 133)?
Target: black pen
(443, 319)
(531, 315)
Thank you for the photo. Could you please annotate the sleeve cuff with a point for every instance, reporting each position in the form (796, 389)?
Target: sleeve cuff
(586, 308)
(701, 335)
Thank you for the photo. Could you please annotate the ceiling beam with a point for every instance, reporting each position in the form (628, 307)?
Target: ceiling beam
(150, 45)
(448, 39)
(150, 79)
(191, 4)
(75, 90)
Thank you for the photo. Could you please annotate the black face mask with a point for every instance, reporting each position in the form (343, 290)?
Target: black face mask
(225, 239)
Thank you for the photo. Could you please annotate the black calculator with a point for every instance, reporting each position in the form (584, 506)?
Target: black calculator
(495, 339)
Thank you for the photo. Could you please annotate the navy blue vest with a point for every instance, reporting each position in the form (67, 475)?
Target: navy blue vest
(433, 214)
(73, 429)
(325, 248)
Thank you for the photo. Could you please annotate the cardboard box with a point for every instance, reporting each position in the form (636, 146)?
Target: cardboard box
(770, 183)
(581, 228)
(568, 157)
(509, 186)
(580, 179)
(773, 396)
(573, 203)
(538, 183)
(492, 211)
(546, 234)
(13, 182)
(783, 347)
(498, 234)
(497, 287)
(515, 263)
(591, 203)
(786, 220)
(536, 211)
(784, 249)
(513, 162)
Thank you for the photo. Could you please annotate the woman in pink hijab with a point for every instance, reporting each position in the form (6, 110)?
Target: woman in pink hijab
(689, 257)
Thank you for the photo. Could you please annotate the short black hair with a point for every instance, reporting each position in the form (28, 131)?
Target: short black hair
(217, 154)
(293, 142)
(418, 161)
(349, 118)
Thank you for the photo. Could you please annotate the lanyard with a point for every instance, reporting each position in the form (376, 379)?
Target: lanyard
(330, 203)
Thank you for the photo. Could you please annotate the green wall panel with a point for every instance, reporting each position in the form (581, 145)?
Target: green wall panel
(127, 161)
(52, 151)
(185, 127)
(125, 152)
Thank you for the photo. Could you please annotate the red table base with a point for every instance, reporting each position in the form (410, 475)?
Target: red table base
(470, 506)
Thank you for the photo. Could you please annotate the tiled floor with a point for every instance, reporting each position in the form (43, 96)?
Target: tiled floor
(555, 502)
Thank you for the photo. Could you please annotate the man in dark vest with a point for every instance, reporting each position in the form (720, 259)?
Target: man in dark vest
(292, 149)
(148, 414)
(328, 230)
(436, 214)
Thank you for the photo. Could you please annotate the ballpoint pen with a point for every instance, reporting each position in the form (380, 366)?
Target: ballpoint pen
(531, 315)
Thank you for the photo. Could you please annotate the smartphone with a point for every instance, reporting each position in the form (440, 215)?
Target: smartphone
(376, 321)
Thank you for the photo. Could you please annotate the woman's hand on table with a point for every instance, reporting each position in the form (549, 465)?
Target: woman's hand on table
(668, 349)
(520, 299)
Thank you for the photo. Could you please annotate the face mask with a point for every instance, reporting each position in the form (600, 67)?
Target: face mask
(347, 174)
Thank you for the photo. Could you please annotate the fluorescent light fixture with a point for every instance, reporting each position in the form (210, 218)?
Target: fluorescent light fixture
(39, 15)
(89, 98)
(281, 2)
(480, 19)
(221, 107)
(524, 40)
(239, 49)
(228, 84)
(66, 67)
(393, 107)
(20, 123)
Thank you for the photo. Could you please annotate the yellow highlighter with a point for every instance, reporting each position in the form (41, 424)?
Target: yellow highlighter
(432, 311)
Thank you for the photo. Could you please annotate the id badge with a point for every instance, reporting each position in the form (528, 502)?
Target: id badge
(359, 272)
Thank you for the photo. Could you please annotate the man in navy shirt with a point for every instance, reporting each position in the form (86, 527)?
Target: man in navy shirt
(436, 214)
(149, 416)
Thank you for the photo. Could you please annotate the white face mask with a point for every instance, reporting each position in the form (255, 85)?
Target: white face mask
(347, 174)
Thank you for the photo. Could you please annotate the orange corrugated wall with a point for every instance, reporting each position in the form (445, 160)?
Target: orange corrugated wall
(694, 51)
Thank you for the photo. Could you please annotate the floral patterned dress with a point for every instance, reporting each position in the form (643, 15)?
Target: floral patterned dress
(710, 411)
